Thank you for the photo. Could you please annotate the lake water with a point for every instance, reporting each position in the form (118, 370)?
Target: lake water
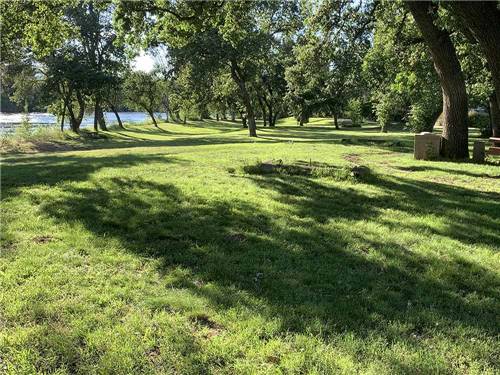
(9, 121)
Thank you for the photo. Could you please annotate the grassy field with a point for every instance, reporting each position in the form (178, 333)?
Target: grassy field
(156, 251)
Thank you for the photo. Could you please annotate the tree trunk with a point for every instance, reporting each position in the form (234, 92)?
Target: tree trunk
(63, 115)
(166, 105)
(233, 116)
(151, 114)
(245, 96)
(275, 118)
(184, 121)
(120, 124)
(455, 131)
(263, 109)
(244, 120)
(101, 120)
(75, 121)
(336, 120)
(494, 115)
(96, 115)
(270, 114)
(217, 116)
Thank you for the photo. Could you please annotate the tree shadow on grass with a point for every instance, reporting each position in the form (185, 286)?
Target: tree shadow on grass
(315, 279)
(469, 216)
(323, 135)
(428, 168)
(56, 168)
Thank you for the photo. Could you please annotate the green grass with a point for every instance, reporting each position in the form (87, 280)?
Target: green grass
(154, 251)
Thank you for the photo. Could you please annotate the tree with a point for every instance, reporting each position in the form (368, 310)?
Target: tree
(212, 35)
(142, 91)
(66, 76)
(95, 39)
(113, 97)
(328, 58)
(480, 21)
(454, 117)
(399, 73)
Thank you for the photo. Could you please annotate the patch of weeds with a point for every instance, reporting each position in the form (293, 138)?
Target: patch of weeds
(308, 169)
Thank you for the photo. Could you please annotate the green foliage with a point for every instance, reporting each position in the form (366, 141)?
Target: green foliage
(328, 56)
(384, 110)
(355, 111)
(142, 91)
(480, 121)
(33, 27)
(399, 71)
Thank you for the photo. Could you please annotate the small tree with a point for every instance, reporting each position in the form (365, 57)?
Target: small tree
(354, 107)
(143, 92)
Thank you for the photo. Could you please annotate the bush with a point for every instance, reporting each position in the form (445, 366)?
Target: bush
(481, 122)
(355, 110)
(383, 111)
(420, 118)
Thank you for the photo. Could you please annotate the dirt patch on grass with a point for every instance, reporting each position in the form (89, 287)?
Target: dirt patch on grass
(7, 247)
(210, 327)
(42, 239)
(353, 158)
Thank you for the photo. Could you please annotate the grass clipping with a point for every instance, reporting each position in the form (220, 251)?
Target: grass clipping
(352, 173)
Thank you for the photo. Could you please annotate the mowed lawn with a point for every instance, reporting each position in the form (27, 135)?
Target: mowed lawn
(154, 251)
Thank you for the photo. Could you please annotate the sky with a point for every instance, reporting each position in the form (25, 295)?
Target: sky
(143, 62)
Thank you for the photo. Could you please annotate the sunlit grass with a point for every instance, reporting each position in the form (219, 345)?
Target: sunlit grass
(153, 251)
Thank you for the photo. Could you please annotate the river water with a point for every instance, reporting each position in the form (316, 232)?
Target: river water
(9, 121)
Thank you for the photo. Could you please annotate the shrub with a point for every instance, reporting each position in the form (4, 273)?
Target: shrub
(481, 122)
(420, 118)
(383, 111)
(355, 110)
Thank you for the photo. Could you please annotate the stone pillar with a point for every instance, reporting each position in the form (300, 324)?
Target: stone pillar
(478, 153)
(427, 146)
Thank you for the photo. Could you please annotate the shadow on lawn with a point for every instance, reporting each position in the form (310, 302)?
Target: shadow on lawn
(315, 279)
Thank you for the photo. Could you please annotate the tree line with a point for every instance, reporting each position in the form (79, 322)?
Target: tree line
(420, 63)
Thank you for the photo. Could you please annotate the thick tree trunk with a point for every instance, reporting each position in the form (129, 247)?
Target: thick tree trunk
(245, 96)
(494, 115)
(336, 120)
(120, 124)
(455, 131)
